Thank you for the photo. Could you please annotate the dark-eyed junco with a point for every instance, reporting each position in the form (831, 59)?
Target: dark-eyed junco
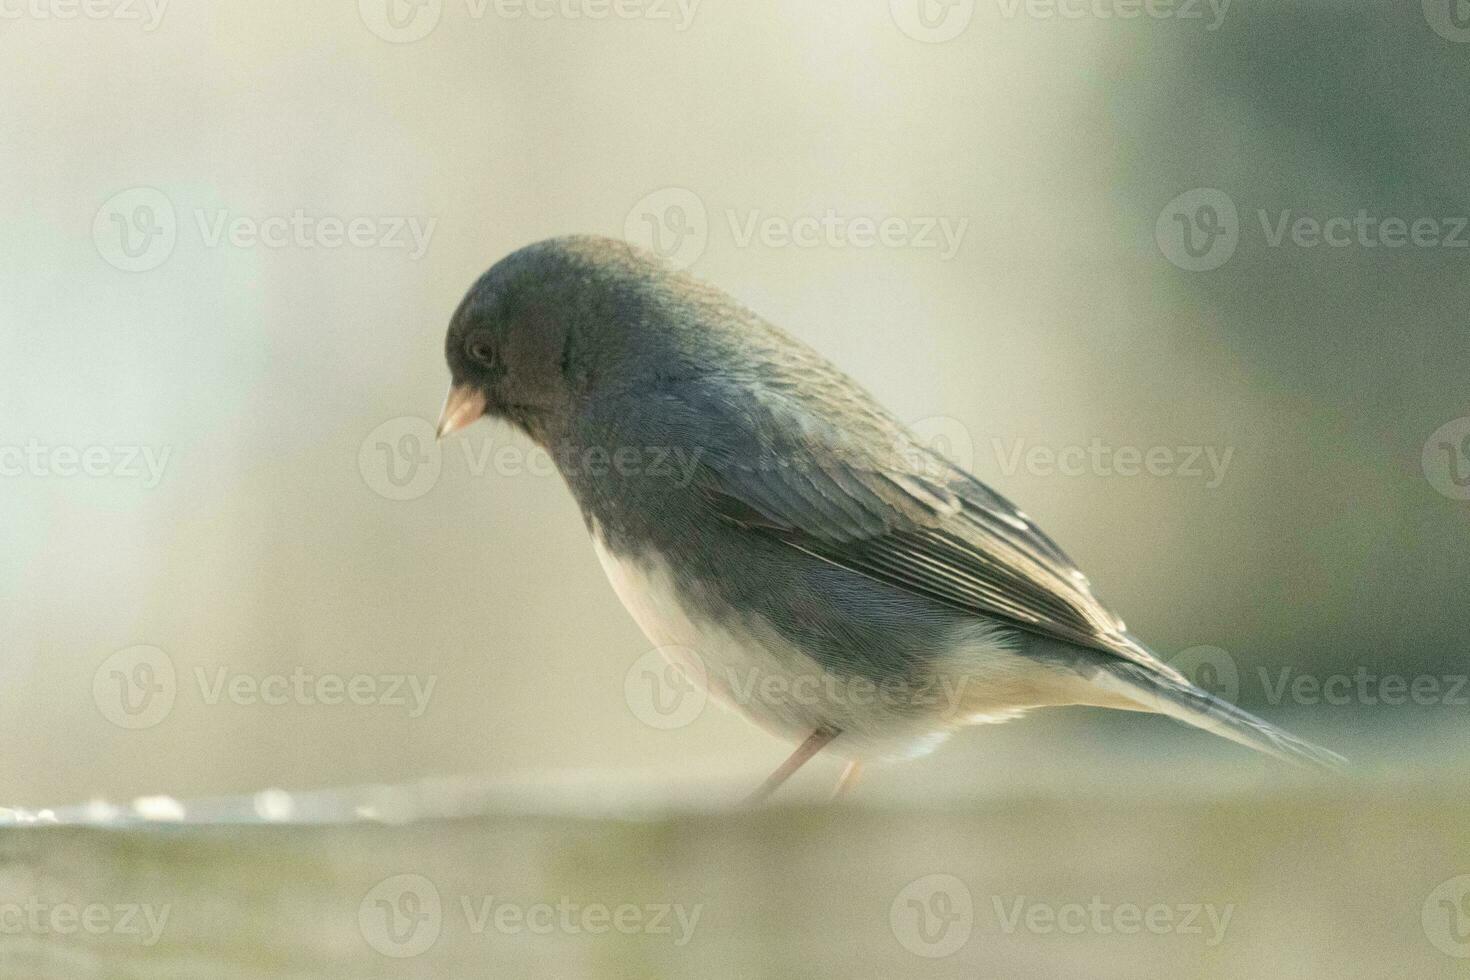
(835, 579)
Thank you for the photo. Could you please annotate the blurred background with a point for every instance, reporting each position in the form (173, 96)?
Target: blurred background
(1186, 280)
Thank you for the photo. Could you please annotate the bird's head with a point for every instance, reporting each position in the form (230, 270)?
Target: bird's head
(529, 338)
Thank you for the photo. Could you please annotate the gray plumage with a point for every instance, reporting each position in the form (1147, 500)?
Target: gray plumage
(799, 529)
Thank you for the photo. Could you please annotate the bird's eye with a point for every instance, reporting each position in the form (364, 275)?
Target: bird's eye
(481, 351)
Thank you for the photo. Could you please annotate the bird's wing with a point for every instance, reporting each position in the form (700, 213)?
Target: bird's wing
(851, 486)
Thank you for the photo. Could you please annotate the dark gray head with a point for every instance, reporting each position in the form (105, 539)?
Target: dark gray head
(553, 322)
(513, 345)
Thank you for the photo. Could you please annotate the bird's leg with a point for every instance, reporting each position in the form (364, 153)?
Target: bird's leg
(814, 743)
(849, 778)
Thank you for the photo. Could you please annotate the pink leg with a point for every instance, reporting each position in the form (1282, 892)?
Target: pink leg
(849, 778)
(814, 743)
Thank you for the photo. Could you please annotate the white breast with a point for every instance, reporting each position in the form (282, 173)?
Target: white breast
(745, 664)
(650, 597)
(723, 659)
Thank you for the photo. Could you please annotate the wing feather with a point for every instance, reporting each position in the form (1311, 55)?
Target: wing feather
(873, 500)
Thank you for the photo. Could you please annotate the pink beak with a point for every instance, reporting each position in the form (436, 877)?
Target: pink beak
(462, 406)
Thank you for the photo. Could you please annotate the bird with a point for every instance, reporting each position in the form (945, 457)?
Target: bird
(842, 584)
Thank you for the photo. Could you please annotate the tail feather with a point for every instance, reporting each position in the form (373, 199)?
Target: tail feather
(1182, 700)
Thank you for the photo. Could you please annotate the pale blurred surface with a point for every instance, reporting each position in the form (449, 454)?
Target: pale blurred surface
(275, 389)
(1324, 881)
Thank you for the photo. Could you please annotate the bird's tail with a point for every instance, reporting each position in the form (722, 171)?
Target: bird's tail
(1155, 691)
